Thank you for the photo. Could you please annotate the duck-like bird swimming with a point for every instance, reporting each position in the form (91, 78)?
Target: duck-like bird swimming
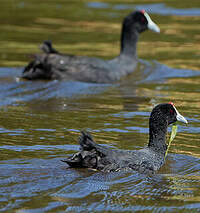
(53, 65)
(147, 160)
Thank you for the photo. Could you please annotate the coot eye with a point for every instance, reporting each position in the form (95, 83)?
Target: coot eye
(142, 19)
(171, 111)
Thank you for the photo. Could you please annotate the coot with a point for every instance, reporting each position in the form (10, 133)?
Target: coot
(146, 160)
(53, 65)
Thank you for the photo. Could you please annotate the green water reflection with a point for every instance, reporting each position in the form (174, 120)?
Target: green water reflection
(77, 29)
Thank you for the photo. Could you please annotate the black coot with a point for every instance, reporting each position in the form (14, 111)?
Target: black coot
(53, 65)
(146, 160)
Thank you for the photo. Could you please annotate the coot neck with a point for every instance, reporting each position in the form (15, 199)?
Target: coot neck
(157, 134)
(129, 40)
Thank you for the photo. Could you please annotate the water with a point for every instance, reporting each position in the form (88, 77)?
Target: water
(41, 120)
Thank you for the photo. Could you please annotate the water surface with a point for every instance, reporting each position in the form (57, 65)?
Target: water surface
(41, 120)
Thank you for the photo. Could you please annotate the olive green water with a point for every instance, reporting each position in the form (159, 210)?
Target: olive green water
(41, 120)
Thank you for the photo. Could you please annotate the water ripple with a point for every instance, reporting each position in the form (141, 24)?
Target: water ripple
(157, 8)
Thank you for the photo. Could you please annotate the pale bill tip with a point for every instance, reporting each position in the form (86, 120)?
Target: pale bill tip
(180, 118)
(151, 25)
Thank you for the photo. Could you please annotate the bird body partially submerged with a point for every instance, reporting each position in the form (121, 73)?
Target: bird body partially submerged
(53, 65)
(146, 160)
(98, 157)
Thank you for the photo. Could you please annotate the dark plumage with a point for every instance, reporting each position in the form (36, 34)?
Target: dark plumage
(146, 160)
(53, 65)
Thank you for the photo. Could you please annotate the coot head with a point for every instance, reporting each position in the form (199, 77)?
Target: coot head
(161, 116)
(166, 112)
(140, 21)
